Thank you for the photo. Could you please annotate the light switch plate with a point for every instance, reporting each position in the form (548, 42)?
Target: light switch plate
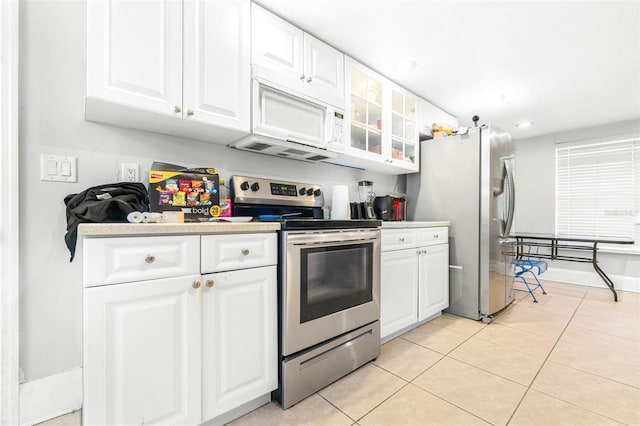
(58, 168)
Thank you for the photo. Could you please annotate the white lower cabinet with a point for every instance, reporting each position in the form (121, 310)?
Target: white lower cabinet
(399, 287)
(142, 353)
(415, 278)
(433, 294)
(182, 349)
(239, 340)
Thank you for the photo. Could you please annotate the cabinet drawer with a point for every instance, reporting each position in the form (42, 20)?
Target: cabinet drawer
(238, 251)
(398, 239)
(119, 260)
(432, 236)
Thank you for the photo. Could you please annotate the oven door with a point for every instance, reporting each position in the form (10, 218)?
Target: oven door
(330, 285)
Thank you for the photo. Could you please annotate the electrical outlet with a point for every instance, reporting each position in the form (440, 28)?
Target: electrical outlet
(130, 172)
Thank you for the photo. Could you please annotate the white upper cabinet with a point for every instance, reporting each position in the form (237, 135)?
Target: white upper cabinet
(140, 76)
(217, 73)
(382, 134)
(134, 53)
(277, 45)
(323, 69)
(430, 114)
(291, 58)
(404, 132)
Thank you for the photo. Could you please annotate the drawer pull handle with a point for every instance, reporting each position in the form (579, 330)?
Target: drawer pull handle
(245, 252)
(210, 283)
(197, 284)
(402, 240)
(435, 235)
(150, 258)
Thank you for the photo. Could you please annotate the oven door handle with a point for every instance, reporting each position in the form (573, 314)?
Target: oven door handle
(334, 243)
(332, 238)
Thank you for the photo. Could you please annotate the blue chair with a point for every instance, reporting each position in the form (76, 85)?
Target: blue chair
(533, 267)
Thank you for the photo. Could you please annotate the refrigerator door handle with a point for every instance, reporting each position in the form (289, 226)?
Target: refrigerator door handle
(511, 199)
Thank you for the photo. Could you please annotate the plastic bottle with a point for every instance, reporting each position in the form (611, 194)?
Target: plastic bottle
(225, 200)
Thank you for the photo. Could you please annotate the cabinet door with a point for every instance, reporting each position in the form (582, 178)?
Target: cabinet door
(430, 114)
(142, 353)
(240, 359)
(217, 70)
(404, 133)
(134, 53)
(434, 280)
(399, 290)
(276, 45)
(365, 114)
(324, 71)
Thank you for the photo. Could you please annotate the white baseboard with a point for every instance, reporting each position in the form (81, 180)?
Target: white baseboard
(591, 278)
(50, 397)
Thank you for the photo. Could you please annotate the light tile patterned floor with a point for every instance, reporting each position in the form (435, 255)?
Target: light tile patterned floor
(572, 358)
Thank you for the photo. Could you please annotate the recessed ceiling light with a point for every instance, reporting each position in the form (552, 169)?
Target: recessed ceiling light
(406, 65)
(523, 124)
(495, 98)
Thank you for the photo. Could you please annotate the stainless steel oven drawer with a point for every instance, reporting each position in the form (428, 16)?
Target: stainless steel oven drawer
(307, 373)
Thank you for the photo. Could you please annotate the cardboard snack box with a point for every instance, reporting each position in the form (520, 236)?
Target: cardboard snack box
(196, 191)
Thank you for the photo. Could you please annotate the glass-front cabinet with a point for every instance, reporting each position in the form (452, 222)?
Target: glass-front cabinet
(366, 112)
(382, 118)
(404, 136)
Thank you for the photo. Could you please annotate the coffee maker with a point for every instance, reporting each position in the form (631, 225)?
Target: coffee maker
(364, 209)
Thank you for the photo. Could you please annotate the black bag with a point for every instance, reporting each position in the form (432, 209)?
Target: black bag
(104, 203)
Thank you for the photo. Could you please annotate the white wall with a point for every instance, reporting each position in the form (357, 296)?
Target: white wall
(535, 192)
(52, 122)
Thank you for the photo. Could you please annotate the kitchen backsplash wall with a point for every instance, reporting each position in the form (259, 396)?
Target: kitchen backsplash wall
(52, 91)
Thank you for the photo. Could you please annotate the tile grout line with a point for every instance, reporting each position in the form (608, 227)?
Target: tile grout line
(443, 357)
(545, 362)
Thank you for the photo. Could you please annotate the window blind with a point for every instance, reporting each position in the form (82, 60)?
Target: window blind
(598, 188)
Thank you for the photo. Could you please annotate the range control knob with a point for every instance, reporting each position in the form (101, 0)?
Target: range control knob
(310, 191)
(317, 192)
(244, 186)
(255, 186)
(302, 191)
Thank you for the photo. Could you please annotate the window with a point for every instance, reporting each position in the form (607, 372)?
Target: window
(598, 188)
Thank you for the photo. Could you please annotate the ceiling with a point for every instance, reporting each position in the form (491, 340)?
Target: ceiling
(563, 65)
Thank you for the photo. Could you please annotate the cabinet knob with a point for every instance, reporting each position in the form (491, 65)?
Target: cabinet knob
(435, 236)
(209, 283)
(197, 284)
(309, 80)
(177, 109)
(401, 240)
(245, 252)
(302, 77)
(189, 112)
(150, 258)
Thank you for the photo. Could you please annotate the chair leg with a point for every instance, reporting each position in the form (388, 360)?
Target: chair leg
(536, 278)
(534, 275)
(528, 288)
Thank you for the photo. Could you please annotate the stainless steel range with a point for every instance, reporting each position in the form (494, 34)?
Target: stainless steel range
(328, 285)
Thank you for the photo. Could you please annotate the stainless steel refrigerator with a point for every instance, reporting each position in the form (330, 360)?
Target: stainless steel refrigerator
(468, 179)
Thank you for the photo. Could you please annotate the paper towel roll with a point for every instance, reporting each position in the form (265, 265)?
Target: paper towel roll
(340, 202)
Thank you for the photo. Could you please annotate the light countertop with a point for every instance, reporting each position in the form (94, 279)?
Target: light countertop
(128, 229)
(414, 224)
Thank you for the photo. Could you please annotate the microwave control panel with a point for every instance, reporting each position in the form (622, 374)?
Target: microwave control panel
(338, 127)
